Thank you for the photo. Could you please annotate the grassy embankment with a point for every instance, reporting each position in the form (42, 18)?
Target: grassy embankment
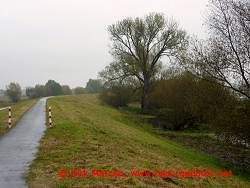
(17, 111)
(89, 136)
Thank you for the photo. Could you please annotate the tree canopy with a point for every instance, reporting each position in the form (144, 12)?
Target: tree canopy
(80, 90)
(137, 47)
(66, 90)
(53, 88)
(14, 92)
(225, 56)
(94, 86)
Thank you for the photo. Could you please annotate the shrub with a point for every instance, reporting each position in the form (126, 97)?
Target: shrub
(187, 100)
(232, 122)
(116, 94)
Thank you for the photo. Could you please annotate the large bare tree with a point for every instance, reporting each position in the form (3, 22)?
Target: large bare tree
(137, 47)
(226, 54)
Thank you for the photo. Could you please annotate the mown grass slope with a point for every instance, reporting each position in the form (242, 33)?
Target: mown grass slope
(89, 136)
(17, 111)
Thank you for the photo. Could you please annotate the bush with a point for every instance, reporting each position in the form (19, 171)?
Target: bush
(186, 100)
(116, 95)
(232, 122)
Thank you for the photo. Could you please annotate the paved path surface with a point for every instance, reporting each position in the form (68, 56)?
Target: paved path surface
(4, 108)
(19, 146)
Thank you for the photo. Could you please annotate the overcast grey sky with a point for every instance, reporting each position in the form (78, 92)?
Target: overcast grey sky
(67, 40)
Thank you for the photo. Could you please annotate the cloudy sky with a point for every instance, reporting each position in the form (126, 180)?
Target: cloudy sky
(67, 40)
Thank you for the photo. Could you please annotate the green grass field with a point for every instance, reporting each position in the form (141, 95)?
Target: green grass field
(17, 111)
(5, 101)
(89, 136)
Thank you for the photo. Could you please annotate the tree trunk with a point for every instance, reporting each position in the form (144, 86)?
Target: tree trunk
(145, 103)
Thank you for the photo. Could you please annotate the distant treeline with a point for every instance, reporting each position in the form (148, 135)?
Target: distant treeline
(52, 88)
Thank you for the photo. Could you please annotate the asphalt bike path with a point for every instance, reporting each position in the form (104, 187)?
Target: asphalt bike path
(19, 146)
